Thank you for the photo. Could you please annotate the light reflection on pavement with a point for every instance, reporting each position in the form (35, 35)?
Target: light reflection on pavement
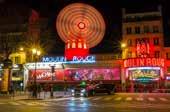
(112, 103)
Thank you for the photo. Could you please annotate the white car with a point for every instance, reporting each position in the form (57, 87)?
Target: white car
(79, 91)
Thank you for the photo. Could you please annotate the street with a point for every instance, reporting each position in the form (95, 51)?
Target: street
(122, 102)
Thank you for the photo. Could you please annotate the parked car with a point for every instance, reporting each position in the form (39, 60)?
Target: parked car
(91, 90)
(79, 91)
(102, 88)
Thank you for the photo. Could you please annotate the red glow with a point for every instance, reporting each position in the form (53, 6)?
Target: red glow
(46, 74)
(142, 47)
(76, 48)
(69, 53)
(76, 74)
(85, 21)
(34, 17)
(81, 25)
(140, 62)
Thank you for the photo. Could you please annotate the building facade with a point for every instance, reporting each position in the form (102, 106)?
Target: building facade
(144, 65)
(105, 68)
(145, 59)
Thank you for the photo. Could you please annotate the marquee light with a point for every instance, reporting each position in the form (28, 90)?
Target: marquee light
(142, 62)
(144, 74)
(144, 68)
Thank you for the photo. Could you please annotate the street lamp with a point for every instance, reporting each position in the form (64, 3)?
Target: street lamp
(65, 79)
(21, 48)
(36, 53)
(52, 79)
(123, 83)
(123, 45)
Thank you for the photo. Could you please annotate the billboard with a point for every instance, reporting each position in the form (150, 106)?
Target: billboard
(46, 74)
(93, 74)
(76, 74)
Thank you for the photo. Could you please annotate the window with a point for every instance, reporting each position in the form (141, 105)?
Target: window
(73, 45)
(146, 29)
(68, 45)
(129, 54)
(137, 30)
(85, 46)
(157, 54)
(128, 30)
(129, 42)
(155, 29)
(17, 59)
(15, 74)
(156, 41)
(168, 69)
(79, 45)
(1, 73)
(168, 56)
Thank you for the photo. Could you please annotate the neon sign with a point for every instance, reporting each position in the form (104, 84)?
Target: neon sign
(142, 47)
(140, 62)
(144, 74)
(54, 59)
(45, 75)
(75, 59)
(167, 77)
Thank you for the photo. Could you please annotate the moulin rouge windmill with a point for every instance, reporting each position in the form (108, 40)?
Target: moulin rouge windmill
(81, 27)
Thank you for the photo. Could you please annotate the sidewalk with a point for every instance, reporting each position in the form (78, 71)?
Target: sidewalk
(28, 96)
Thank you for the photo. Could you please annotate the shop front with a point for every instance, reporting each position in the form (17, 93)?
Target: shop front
(15, 79)
(144, 74)
(72, 72)
(168, 81)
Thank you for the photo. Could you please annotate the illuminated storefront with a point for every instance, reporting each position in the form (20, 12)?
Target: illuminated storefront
(144, 67)
(73, 71)
(132, 72)
(142, 73)
(16, 79)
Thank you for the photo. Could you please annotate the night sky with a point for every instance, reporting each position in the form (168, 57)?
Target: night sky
(111, 11)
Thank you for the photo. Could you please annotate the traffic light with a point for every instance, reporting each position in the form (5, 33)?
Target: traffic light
(83, 84)
(52, 69)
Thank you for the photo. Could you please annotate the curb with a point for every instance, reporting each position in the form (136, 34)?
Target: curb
(31, 99)
(44, 99)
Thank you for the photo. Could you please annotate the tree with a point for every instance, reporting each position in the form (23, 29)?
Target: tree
(45, 42)
(9, 43)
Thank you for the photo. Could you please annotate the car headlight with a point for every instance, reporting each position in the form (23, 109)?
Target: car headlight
(83, 91)
(72, 90)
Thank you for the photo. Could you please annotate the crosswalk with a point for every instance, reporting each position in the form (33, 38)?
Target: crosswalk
(19, 103)
(139, 99)
(118, 98)
(111, 99)
(151, 99)
(128, 98)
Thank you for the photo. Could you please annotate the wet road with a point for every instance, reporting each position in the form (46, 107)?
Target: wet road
(100, 103)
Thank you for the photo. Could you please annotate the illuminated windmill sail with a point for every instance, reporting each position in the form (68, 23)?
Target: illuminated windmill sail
(81, 27)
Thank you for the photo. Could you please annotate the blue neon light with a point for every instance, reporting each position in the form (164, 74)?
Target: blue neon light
(76, 59)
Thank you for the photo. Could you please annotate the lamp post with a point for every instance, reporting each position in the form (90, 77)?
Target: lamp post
(35, 53)
(52, 78)
(123, 83)
(64, 79)
(123, 46)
